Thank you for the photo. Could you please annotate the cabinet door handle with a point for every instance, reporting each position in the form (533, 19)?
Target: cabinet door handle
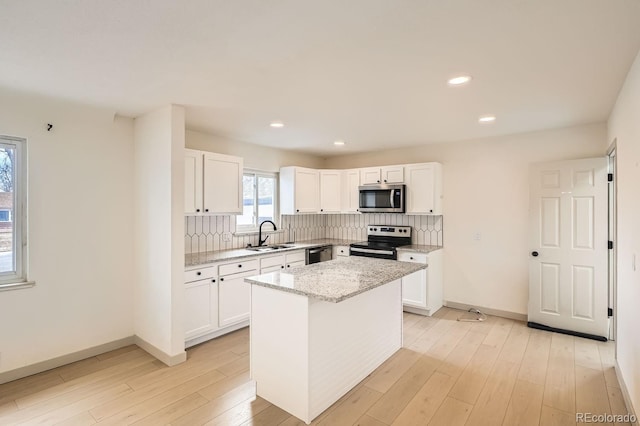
(378, 181)
(431, 211)
(297, 210)
(198, 273)
(221, 279)
(321, 210)
(385, 181)
(534, 253)
(240, 266)
(411, 258)
(198, 210)
(282, 267)
(213, 280)
(288, 266)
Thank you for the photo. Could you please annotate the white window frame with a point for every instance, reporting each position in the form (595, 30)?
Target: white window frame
(18, 278)
(254, 228)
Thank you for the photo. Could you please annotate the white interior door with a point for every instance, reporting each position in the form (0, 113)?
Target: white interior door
(568, 260)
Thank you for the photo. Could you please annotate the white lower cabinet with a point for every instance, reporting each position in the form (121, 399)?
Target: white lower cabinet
(234, 295)
(201, 300)
(217, 300)
(422, 291)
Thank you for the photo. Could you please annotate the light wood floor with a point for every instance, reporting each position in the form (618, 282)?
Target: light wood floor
(497, 372)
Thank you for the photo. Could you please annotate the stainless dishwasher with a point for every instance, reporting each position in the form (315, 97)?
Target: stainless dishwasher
(317, 254)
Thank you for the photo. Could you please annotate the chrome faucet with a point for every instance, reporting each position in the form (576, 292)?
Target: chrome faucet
(260, 240)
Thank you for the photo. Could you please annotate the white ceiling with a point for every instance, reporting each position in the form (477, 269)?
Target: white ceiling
(370, 72)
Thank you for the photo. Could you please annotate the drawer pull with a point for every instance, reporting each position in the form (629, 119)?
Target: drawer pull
(239, 266)
(198, 273)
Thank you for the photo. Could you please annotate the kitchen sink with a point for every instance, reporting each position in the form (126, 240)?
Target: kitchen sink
(270, 248)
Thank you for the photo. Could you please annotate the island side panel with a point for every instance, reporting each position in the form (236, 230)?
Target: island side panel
(350, 339)
(279, 353)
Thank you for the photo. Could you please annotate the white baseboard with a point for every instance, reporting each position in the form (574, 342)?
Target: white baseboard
(625, 393)
(208, 336)
(488, 311)
(39, 367)
(170, 360)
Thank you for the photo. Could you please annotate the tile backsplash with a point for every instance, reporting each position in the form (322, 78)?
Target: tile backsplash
(207, 233)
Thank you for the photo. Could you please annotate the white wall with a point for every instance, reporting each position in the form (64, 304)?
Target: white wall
(486, 190)
(255, 156)
(624, 128)
(159, 230)
(80, 230)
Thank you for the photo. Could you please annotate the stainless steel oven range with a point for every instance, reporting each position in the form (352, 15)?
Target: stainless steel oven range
(382, 241)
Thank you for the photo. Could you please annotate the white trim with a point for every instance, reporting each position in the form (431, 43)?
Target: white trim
(39, 367)
(17, 286)
(495, 312)
(625, 393)
(205, 337)
(169, 360)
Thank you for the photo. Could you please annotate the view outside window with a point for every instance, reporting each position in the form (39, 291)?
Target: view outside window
(7, 201)
(258, 199)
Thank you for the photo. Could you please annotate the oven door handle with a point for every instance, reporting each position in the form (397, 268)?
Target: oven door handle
(364, 250)
(393, 205)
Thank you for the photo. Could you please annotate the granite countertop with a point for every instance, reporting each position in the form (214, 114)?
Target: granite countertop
(338, 279)
(419, 248)
(196, 259)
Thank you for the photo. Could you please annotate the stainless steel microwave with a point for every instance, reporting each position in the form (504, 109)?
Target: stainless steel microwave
(382, 198)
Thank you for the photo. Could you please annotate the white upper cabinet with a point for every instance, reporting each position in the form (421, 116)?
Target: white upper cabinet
(222, 183)
(392, 174)
(192, 181)
(381, 175)
(350, 191)
(299, 190)
(424, 188)
(370, 176)
(213, 183)
(330, 191)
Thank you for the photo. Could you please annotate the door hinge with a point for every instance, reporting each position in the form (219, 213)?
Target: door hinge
(609, 177)
(609, 312)
(610, 245)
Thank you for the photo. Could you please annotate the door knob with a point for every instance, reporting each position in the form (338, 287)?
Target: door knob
(534, 253)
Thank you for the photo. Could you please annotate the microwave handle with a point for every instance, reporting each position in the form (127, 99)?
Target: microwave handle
(393, 206)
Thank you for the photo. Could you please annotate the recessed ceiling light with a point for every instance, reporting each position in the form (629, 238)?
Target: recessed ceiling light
(459, 80)
(338, 143)
(277, 124)
(487, 119)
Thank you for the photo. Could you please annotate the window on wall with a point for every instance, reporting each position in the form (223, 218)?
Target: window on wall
(259, 199)
(12, 211)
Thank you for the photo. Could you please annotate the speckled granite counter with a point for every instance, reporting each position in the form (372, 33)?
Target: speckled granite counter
(339, 279)
(418, 248)
(195, 259)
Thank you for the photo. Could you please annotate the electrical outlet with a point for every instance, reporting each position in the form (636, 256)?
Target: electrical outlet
(226, 237)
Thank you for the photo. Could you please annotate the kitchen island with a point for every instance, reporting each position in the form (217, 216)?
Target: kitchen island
(318, 330)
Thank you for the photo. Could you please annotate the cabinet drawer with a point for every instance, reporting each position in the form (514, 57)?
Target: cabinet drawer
(267, 262)
(294, 264)
(414, 257)
(340, 251)
(275, 268)
(236, 267)
(200, 274)
(296, 256)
